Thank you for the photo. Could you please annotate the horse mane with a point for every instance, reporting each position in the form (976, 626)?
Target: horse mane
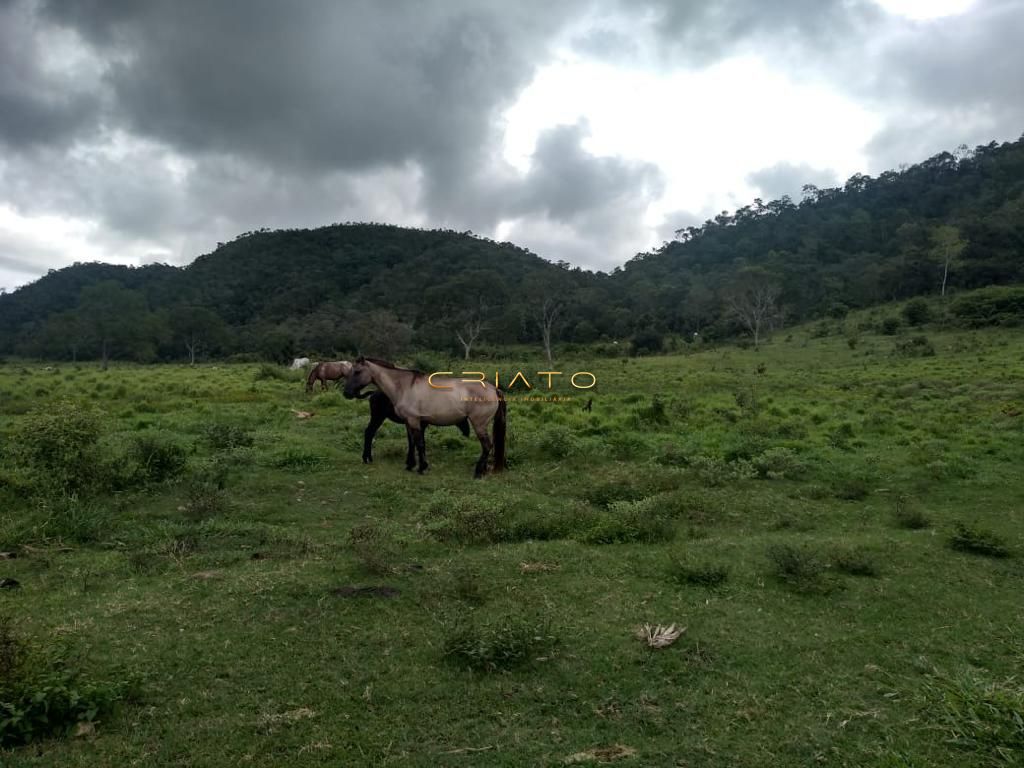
(386, 364)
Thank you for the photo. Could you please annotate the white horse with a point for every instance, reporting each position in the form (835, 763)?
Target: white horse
(298, 362)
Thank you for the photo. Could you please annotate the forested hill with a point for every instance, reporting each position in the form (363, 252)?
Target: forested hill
(953, 222)
(870, 241)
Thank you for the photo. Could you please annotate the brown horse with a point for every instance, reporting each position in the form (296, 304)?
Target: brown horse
(325, 372)
(420, 400)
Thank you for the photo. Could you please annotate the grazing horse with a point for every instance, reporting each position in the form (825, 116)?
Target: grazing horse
(420, 400)
(381, 410)
(298, 362)
(325, 372)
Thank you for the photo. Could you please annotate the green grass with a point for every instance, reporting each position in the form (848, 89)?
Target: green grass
(800, 522)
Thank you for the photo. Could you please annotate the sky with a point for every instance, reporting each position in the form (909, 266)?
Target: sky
(585, 130)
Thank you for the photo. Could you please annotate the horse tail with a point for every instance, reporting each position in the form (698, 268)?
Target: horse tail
(500, 421)
(312, 377)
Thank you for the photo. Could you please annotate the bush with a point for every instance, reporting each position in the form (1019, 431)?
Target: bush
(205, 500)
(605, 493)
(701, 574)
(225, 437)
(556, 442)
(625, 522)
(854, 562)
(997, 305)
(466, 519)
(499, 644)
(917, 312)
(653, 414)
(42, 695)
(158, 458)
(909, 516)
(276, 372)
(715, 472)
(58, 445)
(791, 562)
(778, 464)
(890, 326)
(977, 541)
(917, 346)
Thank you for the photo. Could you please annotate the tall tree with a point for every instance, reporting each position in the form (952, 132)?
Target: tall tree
(195, 328)
(116, 316)
(753, 300)
(947, 245)
(469, 325)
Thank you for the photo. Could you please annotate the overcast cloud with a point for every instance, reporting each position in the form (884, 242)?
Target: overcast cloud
(585, 130)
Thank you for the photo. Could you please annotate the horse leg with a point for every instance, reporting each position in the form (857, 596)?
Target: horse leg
(369, 433)
(485, 449)
(410, 452)
(416, 433)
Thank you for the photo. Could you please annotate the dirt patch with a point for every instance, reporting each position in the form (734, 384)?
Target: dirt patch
(349, 591)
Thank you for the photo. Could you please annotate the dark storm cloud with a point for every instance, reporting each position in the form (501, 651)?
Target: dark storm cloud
(317, 84)
(788, 179)
(37, 106)
(174, 125)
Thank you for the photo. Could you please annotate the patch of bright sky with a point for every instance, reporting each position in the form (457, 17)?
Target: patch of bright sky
(706, 130)
(926, 9)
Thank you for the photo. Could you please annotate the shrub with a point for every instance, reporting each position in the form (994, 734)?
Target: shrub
(997, 305)
(851, 488)
(778, 464)
(373, 547)
(225, 437)
(625, 522)
(621, 489)
(854, 562)
(556, 442)
(276, 372)
(715, 472)
(791, 562)
(158, 458)
(58, 444)
(917, 312)
(467, 519)
(977, 541)
(503, 643)
(42, 694)
(652, 414)
(909, 516)
(917, 346)
(890, 326)
(702, 574)
(205, 500)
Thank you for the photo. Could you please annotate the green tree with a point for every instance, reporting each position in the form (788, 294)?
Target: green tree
(947, 245)
(195, 329)
(116, 317)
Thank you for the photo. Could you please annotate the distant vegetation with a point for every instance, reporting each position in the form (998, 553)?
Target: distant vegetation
(945, 226)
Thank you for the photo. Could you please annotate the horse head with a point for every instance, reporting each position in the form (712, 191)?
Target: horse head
(358, 377)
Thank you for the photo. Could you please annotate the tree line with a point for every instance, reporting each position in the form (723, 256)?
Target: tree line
(953, 222)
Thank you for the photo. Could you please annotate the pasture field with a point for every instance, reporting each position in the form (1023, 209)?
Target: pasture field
(839, 526)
